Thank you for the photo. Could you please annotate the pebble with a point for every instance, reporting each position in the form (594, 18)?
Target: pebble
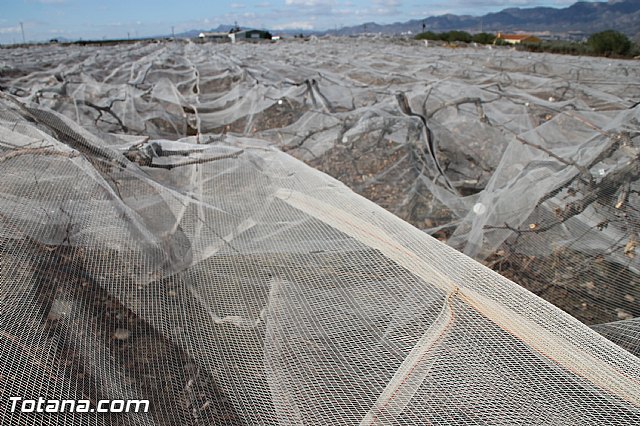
(59, 309)
(479, 209)
(121, 334)
(623, 315)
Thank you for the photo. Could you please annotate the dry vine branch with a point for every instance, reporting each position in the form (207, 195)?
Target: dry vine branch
(583, 171)
(191, 162)
(108, 110)
(591, 193)
(403, 102)
(36, 151)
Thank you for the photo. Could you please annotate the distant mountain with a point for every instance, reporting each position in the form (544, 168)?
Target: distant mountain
(588, 17)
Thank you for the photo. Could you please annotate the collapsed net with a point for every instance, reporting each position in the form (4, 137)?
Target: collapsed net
(158, 239)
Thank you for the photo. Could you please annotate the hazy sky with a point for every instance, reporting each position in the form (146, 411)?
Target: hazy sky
(45, 19)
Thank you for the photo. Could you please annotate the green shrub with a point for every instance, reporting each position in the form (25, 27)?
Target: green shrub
(609, 43)
(450, 36)
(429, 35)
(458, 36)
(484, 38)
(557, 46)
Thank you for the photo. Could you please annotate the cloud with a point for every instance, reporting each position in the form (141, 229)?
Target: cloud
(480, 7)
(299, 25)
(502, 4)
(387, 3)
(237, 5)
(380, 8)
(310, 3)
(51, 1)
(343, 12)
(324, 14)
(328, 9)
(10, 30)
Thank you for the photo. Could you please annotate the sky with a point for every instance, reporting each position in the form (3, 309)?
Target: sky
(97, 19)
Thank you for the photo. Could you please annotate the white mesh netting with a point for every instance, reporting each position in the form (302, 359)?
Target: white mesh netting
(160, 238)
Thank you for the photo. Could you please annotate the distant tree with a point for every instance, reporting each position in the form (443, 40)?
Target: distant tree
(428, 35)
(609, 42)
(459, 36)
(484, 38)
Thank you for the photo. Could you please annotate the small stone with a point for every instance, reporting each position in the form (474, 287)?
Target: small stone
(59, 309)
(479, 209)
(121, 334)
(589, 285)
(623, 315)
(630, 248)
(629, 298)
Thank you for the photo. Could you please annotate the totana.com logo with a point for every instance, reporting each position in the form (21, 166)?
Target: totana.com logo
(42, 405)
